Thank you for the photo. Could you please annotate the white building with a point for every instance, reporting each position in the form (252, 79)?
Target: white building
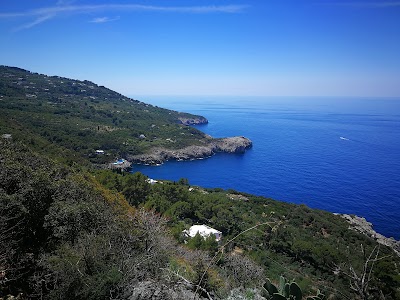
(204, 231)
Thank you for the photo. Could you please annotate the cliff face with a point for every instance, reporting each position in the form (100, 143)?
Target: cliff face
(192, 121)
(160, 155)
(237, 144)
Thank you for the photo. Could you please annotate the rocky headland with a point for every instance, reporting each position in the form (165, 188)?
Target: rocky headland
(238, 144)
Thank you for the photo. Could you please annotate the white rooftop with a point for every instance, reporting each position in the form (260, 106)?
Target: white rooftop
(204, 231)
(151, 181)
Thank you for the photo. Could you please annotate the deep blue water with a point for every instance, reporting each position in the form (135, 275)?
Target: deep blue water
(298, 155)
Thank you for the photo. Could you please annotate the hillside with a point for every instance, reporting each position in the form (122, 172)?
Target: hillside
(71, 231)
(73, 119)
(73, 234)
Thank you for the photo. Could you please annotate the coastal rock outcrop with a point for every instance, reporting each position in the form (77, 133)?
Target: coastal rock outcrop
(192, 121)
(121, 165)
(160, 155)
(152, 290)
(361, 225)
(237, 144)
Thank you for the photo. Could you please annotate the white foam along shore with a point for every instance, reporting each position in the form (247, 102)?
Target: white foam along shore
(361, 225)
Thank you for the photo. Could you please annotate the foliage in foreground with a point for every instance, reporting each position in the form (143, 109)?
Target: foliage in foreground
(287, 291)
(314, 247)
(64, 236)
(74, 235)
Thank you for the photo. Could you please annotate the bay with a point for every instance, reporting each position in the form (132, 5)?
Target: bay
(337, 154)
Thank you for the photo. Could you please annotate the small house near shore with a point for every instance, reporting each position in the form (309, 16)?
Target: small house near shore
(204, 231)
(152, 181)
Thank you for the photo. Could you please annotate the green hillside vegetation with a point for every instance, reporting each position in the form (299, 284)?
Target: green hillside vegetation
(65, 236)
(81, 234)
(312, 246)
(70, 230)
(74, 118)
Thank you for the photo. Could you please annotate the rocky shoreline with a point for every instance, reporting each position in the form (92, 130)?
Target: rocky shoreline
(238, 144)
(361, 225)
(192, 121)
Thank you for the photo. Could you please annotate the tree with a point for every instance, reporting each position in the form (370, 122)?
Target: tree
(180, 210)
(360, 279)
(183, 181)
(136, 188)
(242, 271)
(195, 242)
(10, 223)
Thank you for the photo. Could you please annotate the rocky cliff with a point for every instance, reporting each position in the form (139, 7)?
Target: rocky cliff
(361, 225)
(160, 155)
(192, 121)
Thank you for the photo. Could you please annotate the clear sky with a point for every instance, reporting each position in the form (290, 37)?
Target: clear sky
(205, 47)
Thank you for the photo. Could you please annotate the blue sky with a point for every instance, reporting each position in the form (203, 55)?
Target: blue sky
(204, 47)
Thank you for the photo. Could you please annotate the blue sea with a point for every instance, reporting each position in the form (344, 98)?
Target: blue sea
(337, 154)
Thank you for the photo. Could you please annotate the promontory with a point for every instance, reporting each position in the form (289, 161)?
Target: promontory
(155, 156)
(85, 123)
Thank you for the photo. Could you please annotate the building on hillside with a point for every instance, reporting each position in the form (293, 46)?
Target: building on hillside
(204, 231)
(120, 161)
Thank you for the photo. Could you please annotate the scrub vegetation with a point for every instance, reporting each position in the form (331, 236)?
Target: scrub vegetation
(56, 115)
(69, 230)
(85, 234)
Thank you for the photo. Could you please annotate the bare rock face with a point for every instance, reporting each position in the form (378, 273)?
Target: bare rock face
(192, 121)
(149, 290)
(160, 155)
(237, 144)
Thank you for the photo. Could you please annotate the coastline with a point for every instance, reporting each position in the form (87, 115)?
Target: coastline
(157, 156)
(292, 164)
(361, 225)
(160, 155)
